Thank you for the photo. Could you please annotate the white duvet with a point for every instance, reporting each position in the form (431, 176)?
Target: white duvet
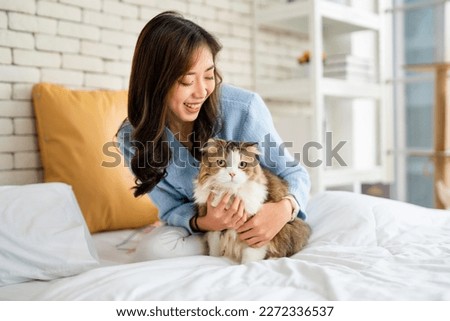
(362, 248)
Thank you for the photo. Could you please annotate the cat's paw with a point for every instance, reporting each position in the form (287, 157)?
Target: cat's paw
(252, 254)
(214, 252)
(213, 239)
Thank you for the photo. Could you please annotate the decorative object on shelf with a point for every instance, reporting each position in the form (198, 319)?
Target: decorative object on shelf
(305, 57)
(303, 60)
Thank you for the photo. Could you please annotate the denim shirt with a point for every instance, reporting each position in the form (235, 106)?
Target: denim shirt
(244, 117)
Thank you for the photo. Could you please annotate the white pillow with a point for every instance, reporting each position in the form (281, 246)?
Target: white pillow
(43, 234)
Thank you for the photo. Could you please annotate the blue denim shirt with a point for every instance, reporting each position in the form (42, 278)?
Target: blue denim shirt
(245, 117)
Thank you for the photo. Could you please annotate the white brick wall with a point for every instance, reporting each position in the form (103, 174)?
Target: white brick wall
(5, 91)
(89, 44)
(58, 11)
(56, 43)
(27, 6)
(30, 23)
(37, 59)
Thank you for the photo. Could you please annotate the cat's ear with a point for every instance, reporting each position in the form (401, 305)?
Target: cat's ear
(252, 147)
(210, 146)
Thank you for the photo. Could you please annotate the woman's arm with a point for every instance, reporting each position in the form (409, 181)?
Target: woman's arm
(263, 226)
(173, 206)
(259, 127)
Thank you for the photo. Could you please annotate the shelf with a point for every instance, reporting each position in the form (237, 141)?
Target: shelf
(337, 18)
(299, 89)
(316, 93)
(341, 177)
(350, 89)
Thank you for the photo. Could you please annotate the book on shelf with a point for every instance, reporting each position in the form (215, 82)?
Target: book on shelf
(348, 59)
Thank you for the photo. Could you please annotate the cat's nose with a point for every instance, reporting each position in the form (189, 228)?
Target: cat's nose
(232, 174)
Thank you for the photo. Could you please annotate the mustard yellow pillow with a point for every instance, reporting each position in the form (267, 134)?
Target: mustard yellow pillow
(76, 134)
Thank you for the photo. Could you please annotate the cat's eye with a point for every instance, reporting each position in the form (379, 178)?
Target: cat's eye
(221, 163)
(242, 164)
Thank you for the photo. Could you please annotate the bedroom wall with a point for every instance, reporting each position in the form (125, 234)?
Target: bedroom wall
(89, 44)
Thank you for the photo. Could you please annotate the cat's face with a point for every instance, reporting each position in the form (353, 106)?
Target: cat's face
(228, 163)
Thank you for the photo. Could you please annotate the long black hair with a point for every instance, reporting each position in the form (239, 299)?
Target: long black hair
(164, 52)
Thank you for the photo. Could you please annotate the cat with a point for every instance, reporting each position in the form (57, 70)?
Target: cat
(229, 166)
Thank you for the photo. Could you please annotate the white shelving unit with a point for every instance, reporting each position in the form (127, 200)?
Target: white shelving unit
(322, 21)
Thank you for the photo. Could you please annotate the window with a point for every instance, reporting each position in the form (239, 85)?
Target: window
(418, 39)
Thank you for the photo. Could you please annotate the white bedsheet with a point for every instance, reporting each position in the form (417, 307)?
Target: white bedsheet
(362, 248)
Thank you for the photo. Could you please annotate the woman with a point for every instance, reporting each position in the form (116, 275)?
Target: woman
(176, 102)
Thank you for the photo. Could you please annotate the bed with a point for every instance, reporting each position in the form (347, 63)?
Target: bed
(361, 248)
(72, 238)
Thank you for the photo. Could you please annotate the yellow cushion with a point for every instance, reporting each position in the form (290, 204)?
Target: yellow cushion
(76, 131)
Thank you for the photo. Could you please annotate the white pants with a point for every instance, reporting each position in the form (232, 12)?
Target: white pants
(167, 242)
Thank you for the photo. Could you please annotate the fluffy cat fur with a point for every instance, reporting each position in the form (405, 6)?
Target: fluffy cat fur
(229, 166)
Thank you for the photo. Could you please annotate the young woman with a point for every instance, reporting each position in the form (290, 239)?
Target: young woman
(176, 102)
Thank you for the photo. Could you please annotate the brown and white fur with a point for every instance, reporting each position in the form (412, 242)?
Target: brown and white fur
(228, 166)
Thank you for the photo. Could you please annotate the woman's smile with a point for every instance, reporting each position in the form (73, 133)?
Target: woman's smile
(193, 107)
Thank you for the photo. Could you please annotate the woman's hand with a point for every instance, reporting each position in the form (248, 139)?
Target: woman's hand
(222, 216)
(260, 229)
